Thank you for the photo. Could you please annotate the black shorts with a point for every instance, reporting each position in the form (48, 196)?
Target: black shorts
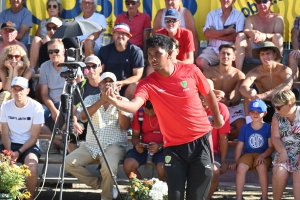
(14, 147)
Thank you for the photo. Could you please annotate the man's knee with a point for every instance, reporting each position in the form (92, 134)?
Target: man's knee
(216, 173)
(240, 37)
(201, 62)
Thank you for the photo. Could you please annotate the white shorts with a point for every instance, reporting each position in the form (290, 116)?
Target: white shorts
(211, 56)
(236, 112)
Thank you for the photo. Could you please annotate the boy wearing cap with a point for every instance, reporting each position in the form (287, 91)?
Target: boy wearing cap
(255, 142)
(21, 122)
(269, 78)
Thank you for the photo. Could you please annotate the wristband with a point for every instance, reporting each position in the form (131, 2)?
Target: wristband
(20, 153)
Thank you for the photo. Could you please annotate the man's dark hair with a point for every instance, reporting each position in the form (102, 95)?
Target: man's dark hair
(148, 105)
(159, 40)
(266, 49)
(226, 46)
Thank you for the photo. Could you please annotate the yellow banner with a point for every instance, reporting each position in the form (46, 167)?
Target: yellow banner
(289, 9)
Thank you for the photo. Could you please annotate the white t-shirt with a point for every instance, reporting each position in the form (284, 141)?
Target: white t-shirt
(99, 19)
(20, 120)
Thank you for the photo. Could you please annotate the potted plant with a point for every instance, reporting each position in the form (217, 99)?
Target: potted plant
(12, 178)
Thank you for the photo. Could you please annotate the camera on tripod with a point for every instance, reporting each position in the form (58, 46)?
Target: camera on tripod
(73, 54)
(73, 68)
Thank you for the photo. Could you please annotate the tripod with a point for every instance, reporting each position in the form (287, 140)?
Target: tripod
(67, 99)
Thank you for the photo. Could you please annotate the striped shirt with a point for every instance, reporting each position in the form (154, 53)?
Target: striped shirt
(213, 18)
(106, 123)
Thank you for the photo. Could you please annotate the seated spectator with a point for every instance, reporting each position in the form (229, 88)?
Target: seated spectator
(52, 24)
(9, 33)
(186, 18)
(21, 136)
(285, 138)
(112, 134)
(129, 65)
(228, 79)
(91, 42)
(182, 35)
(269, 78)
(139, 23)
(261, 27)
(254, 149)
(221, 27)
(19, 15)
(151, 143)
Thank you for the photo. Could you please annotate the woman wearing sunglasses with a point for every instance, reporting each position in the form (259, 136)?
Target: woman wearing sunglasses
(286, 140)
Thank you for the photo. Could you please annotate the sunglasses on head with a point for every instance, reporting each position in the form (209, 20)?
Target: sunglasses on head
(171, 20)
(52, 6)
(130, 2)
(53, 51)
(49, 28)
(278, 107)
(263, 1)
(10, 57)
(93, 66)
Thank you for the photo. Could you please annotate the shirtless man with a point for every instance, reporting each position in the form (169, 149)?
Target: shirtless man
(263, 26)
(228, 79)
(269, 78)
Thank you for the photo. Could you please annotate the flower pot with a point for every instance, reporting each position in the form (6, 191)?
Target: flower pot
(4, 196)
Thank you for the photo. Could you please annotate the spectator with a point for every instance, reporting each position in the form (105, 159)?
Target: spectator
(9, 33)
(255, 143)
(112, 134)
(228, 79)
(182, 35)
(21, 136)
(129, 66)
(261, 27)
(285, 138)
(152, 141)
(19, 15)
(269, 78)
(221, 27)
(186, 20)
(173, 90)
(139, 23)
(92, 42)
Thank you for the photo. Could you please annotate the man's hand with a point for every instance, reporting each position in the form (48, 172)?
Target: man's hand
(218, 123)
(54, 114)
(119, 84)
(109, 95)
(153, 147)
(140, 147)
(14, 158)
(295, 54)
(224, 167)
(220, 95)
(230, 29)
(260, 160)
(257, 37)
(232, 166)
(78, 128)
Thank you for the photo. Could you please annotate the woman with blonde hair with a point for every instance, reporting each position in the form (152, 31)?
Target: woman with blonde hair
(286, 140)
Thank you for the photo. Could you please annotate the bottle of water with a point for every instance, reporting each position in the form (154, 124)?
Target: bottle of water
(150, 157)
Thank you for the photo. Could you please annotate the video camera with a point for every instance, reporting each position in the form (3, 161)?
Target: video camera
(73, 68)
(73, 54)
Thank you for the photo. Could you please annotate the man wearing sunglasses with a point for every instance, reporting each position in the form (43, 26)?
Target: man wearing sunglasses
(221, 27)
(263, 26)
(19, 15)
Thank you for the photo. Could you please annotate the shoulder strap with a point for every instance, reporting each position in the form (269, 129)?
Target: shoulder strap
(141, 117)
(81, 91)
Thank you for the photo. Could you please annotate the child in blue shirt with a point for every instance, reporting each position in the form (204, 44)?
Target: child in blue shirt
(255, 142)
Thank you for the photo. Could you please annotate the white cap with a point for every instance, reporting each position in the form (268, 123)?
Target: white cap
(54, 20)
(108, 75)
(92, 59)
(20, 81)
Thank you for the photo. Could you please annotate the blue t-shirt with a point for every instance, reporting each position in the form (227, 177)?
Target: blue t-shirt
(24, 16)
(255, 141)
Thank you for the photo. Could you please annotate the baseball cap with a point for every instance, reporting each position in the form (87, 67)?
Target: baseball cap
(172, 13)
(9, 25)
(54, 20)
(122, 27)
(92, 59)
(108, 75)
(258, 105)
(20, 81)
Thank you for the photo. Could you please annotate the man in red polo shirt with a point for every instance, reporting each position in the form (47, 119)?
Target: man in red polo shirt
(184, 36)
(139, 23)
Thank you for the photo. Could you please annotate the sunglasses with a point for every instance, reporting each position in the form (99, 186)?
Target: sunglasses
(260, 2)
(52, 6)
(53, 51)
(278, 107)
(130, 2)
(93, 66)
(171, 20)
(49, 28)
(10, 57)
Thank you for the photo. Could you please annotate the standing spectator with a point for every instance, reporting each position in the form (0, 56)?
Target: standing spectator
(261, 27)
(186, 18)
(19, 135)
(123, 59)
(139, 23)
(221, 27)
(255, 143)
(285, 138)
(19, 15)
(92, 42)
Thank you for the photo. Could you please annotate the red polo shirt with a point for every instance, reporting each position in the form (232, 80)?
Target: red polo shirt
(137, 24)
(185, 39)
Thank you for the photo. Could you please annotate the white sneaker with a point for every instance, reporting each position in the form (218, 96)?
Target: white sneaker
(114, 192)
